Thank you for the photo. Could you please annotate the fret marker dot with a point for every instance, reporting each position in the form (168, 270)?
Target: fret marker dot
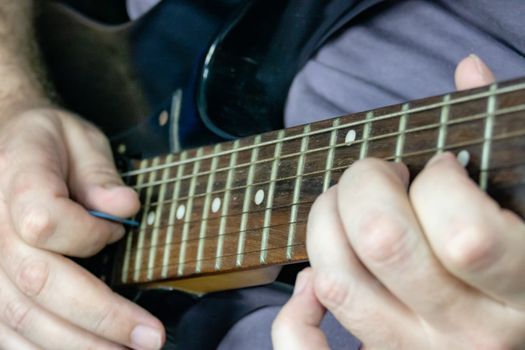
(180, 211)
(463, 157)
(350, 137)
(151, 218)
(215, 205)
(259, 197)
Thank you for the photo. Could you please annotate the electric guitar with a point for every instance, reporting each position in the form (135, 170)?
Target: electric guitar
(227, 215)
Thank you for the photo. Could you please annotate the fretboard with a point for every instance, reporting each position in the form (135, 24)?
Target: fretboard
(244, 204)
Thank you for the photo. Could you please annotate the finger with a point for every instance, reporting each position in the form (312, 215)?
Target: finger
(31, 326)
(9, 339)
(297, 324)
(344, 286)
(65, 289)
(94, 180)
(474, 238)
(385, 234)
(472, 72)
(45, 217)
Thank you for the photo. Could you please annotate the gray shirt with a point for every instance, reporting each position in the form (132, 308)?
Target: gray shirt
(407, 49)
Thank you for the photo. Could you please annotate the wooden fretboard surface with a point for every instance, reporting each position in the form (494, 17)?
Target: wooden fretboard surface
(243, 204)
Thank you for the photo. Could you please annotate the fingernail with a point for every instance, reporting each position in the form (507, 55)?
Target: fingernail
(481, 67)
(300, 282)
(146, 338)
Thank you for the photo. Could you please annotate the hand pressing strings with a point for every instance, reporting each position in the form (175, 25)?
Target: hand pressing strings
(436, 267)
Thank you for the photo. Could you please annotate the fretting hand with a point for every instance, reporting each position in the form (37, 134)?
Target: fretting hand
(439, 267)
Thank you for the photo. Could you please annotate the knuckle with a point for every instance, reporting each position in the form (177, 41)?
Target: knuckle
(17, 315)
(23, 182)
(32, 276)
(95, 136)
(472, 248)
(36, 226)
(105, 319)
(382, 239)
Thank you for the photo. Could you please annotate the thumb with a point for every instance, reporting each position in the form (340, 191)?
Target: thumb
(472, 72)
(93, 178)
(297, 324)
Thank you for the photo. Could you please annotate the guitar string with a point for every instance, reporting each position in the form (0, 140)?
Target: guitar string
(174, 265)
(223, 256)
(274, 208)
(342, 168)
(488, 93)
(469, 98)
(282, 247)
(271, 160)
(431, 127)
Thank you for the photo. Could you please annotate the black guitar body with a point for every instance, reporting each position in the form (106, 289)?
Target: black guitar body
(120, 76)
(220, 69)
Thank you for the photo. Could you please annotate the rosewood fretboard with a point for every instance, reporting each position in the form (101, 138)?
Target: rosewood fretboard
(243, 204)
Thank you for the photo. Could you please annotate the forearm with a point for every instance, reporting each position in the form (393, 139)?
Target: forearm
(21, 83)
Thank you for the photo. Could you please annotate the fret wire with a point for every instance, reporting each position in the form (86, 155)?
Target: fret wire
(411, 154)
(158, 211)
(129, 238)
(225, 206)
(367, 129)
(443, 120)
(489, 125)
(171, 217)
(271, 190)
(310, 202)
(304, 221)
(235, 254)
(141, 234)
(330, 157)
(351, 124)
(400, 144)
(381, 137)
(247, 200)
(297, 193)
(189, 208)
(206, 208)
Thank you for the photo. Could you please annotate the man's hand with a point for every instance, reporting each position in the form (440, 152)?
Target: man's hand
(54, 166)
(439, 267)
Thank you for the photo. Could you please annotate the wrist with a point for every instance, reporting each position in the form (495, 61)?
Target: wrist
(18, 92)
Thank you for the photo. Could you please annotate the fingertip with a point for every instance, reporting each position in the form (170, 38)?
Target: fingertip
(302, 280)
(297, 324)
(120, 201)
(145, 337)
(447, 159)
(117, 234)
(472, 72)
(401, 170)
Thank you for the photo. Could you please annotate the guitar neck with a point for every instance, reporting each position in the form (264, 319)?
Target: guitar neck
(243, 204)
